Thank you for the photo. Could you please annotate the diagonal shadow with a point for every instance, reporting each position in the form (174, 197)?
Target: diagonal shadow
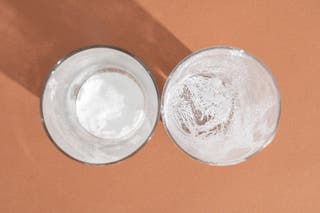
(35, 34)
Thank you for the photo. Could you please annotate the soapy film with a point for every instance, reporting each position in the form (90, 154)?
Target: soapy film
(204, 105)
(217, 108)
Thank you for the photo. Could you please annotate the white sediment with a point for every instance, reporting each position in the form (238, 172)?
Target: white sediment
(110, 105)
(221, 108)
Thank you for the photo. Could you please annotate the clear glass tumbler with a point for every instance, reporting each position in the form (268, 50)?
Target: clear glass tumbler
(100, 105)
(221, 105)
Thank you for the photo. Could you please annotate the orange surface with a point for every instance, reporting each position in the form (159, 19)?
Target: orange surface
(36, 177)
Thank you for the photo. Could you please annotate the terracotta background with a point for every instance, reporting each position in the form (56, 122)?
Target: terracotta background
(36, 177)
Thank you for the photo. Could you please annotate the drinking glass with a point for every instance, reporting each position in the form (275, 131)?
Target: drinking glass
(221, 105)
(100, 105)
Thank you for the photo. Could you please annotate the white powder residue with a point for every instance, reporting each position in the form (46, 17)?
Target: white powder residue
(52, 85)
(110, 105)
(221, 108)
(204, 105)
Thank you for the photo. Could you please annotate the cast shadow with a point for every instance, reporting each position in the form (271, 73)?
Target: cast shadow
(36, 34)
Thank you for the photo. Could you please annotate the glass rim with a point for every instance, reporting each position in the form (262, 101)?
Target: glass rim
(69, 55)
(232, 162)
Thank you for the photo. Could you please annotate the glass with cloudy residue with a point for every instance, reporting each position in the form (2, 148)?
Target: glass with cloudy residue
(100, 105)
(221, 105)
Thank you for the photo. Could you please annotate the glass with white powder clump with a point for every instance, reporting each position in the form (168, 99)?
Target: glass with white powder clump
(100, 105)
(221, 106)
